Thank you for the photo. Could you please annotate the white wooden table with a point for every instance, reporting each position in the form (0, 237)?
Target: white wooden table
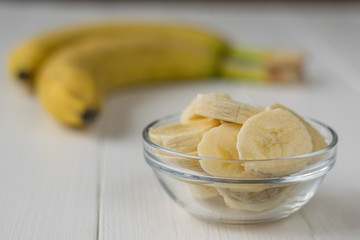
(57, 183)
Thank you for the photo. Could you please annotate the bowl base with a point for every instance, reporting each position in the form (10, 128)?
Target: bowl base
(239, 222)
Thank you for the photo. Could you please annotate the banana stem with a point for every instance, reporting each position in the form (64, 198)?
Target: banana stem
(240, 70)
(262, 65)
(247, 54)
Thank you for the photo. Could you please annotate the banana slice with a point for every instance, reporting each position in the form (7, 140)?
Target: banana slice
(220, 142)
(180, 161)
(224, 109)
(182, 138)
(255, 201)
(188, 114)
(316, 138)
(204, 122)
(203, 192)
(223, 168)
(220, 94)
(273, 134)
(179, 137)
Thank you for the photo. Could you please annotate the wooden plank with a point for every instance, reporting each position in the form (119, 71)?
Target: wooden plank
(48, 173)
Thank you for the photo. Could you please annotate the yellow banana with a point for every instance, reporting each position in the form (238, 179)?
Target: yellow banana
(30, 55)
(72, 102)
(73, 69)
(101, 65)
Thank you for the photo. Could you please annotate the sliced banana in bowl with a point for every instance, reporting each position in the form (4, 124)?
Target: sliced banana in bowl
(233, 162)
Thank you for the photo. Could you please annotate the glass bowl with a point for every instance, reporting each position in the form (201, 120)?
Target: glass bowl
(238, 200)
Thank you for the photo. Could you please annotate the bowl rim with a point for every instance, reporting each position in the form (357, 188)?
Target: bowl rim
(192, 175)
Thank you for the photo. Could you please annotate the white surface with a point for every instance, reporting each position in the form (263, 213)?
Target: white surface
(57, 183)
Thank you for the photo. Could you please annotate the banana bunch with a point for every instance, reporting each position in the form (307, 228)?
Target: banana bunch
(73, 69)
(238, 144)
